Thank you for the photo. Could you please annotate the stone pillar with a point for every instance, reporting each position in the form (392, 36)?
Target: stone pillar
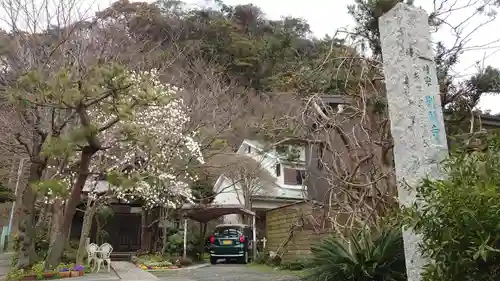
(414, 109)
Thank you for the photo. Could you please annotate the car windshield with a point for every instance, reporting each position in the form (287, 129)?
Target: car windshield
(229, 231)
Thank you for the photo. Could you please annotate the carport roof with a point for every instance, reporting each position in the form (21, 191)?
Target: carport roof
(205, 214)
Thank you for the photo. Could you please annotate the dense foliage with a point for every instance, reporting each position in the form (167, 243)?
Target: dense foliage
(459, 223)
(364, 256)
(248, 49)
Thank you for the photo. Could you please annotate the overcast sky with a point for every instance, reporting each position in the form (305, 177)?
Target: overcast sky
(326, 16)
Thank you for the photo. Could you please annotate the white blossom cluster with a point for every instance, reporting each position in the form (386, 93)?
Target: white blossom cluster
(153, 138)
(153, 130)
(50, 193)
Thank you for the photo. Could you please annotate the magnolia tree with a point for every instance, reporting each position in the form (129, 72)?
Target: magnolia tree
(151, 163)
(145, 148)
(149, 151)
(121, 123)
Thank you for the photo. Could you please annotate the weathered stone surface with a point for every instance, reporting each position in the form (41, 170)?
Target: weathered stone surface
(415, 110)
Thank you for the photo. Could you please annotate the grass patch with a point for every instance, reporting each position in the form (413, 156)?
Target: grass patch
(267, 268)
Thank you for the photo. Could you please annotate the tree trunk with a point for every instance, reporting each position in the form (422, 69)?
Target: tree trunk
(145, 236)
(248, 206)
(68, 237)
(27, 234)
(86, 227)
(56, 250)
(57, 213)
(163, 218)
(203, 241)
(98, 231)
(42, 219)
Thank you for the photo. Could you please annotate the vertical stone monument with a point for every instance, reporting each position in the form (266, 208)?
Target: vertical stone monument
(415, 113)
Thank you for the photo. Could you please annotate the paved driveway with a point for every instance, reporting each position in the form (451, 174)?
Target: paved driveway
(225, 272)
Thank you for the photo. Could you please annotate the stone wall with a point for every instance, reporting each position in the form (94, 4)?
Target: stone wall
(281, 221)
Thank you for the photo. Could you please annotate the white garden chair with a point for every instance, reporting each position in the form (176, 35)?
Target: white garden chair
(92, 253)
(104, 255)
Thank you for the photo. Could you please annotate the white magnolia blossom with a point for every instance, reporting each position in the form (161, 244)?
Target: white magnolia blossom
(151, 137)
(51, 193)
(153, 140)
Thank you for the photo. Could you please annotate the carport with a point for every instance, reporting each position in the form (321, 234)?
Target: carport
(204, 214)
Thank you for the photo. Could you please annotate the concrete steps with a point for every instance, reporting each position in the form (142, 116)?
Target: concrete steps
(122, 256)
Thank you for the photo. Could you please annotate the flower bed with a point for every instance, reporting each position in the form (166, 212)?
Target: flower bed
(158, 262)
(37, 272)
(156, 265)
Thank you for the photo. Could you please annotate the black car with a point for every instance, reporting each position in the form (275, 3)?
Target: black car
(230, 241)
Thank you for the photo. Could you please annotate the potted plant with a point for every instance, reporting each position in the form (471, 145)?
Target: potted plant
(49, 274)
(87, 269)
(81, 269)
(64, 272)
(77, 270)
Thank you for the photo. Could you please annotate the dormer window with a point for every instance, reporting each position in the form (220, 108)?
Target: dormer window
(249, 149)
(278, 169)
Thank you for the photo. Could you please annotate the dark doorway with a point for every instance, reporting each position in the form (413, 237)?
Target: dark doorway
(124, 232)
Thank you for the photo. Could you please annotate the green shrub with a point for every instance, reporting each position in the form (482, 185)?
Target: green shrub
(14, 259)
(16, 242)
(262, 258)
(37, 269)
(175, 243)
(362, 257)
(460, 222)
(42, 243)
(16, 274)
(152, 259)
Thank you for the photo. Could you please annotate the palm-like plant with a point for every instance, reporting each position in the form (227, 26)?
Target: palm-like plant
(362, 258)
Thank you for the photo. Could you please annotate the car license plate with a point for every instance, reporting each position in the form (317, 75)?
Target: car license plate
(227, 242)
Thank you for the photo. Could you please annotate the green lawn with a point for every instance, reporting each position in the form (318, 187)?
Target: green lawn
(267, 268)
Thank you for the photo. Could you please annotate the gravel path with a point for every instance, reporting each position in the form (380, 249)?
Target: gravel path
(225, 272)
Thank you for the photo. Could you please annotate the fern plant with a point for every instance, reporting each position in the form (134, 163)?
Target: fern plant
(362, 258)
